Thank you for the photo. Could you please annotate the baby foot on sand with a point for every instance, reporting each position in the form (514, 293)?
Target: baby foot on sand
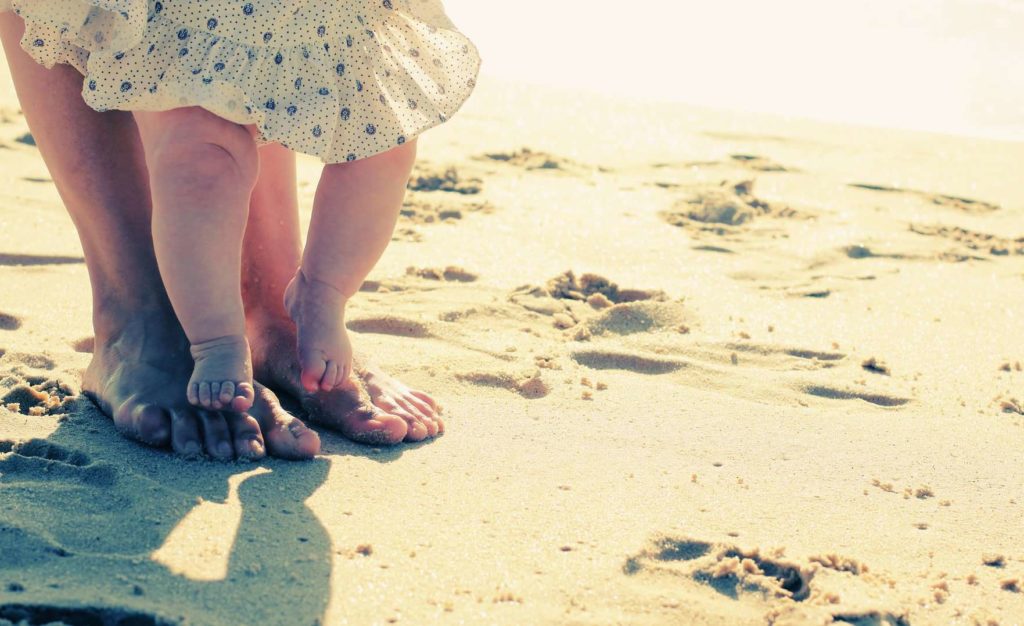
(325, 352)
(222, 376)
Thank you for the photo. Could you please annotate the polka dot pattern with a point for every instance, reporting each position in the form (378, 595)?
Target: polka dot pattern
(341, 80)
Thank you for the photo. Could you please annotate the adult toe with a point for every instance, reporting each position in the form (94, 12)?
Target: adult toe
(216, 437)
(426, 399)
(416, 431)
(245, 433)
(416, 428)
(425, 403)
(421, 418)
(186, 437)
(285, 436)
(147, 423)
(377, 429)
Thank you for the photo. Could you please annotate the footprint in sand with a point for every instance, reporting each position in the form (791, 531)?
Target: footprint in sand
(390, 325)
(531, 386)
(34, 361)
(42, 614)
(9, 322)
(832, 393)
(815, 355)
(452, 273)
(591, 305)
(626, 361)
(726, 569)
(85, 345)
(720, 209)
(640, 317)
(718, 249)
(793, 591)
(25, 387)
(747, 161)
(410, 235)
(532, 160)
(420, 212)
(973, 240)
(966, 205)
(38, 460)
(22, 548)
(907, 251)
(758, 163)
(798, 285)
(782, 358)
(448, 180)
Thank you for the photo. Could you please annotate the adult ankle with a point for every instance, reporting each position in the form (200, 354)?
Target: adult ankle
(112, 318)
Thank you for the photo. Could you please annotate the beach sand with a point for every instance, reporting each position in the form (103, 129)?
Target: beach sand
(781, 385)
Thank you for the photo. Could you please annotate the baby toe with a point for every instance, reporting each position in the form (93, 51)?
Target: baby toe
(313, 371)
(244, 397)
(215, 395)
(192, 392)
(227, 393)
(330, 378)
(204, 394)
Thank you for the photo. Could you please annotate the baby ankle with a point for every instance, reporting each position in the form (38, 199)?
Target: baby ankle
(219, 345)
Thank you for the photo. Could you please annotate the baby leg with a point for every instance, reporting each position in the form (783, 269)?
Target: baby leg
(354, 215)
(202, 172)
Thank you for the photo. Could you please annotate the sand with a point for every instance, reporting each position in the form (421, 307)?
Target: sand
(697, 367)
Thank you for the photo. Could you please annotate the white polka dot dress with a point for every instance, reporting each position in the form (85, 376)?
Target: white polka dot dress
(338, 79)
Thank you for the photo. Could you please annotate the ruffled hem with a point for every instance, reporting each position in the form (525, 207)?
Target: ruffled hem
(356, 96)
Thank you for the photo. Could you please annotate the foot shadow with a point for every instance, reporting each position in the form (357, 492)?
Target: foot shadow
(96, 529)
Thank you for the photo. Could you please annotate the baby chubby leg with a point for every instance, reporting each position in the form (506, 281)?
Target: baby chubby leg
(202, 172)
(354, 216)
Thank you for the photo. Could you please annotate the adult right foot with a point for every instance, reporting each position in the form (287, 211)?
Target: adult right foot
(137, 376)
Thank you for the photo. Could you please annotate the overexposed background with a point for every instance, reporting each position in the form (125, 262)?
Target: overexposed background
(952, 66)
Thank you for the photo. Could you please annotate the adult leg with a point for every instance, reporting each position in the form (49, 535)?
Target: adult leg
(381, 409)
(141, 354)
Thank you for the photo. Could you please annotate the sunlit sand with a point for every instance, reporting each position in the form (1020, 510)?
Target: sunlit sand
(698, 367)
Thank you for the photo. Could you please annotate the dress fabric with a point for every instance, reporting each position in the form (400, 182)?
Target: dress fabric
(338, 79)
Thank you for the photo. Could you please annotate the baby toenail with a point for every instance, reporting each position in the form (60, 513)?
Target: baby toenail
(191, 448)
(224, 448)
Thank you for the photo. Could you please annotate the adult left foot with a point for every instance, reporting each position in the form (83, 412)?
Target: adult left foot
(379, 410)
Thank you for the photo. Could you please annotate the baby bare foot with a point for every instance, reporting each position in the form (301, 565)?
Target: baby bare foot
(222, 376)
(325, 352)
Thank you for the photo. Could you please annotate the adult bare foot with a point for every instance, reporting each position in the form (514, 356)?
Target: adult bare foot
(379, 411)
(137, 376)
(141, 361)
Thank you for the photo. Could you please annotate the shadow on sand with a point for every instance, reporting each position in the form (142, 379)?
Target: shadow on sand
(94, 530)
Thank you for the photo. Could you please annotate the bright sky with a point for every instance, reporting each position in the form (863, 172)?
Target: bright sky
(945, 65)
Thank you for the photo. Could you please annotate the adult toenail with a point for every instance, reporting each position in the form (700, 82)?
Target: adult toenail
(158, 435)
(255, 448)
(224, 448)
